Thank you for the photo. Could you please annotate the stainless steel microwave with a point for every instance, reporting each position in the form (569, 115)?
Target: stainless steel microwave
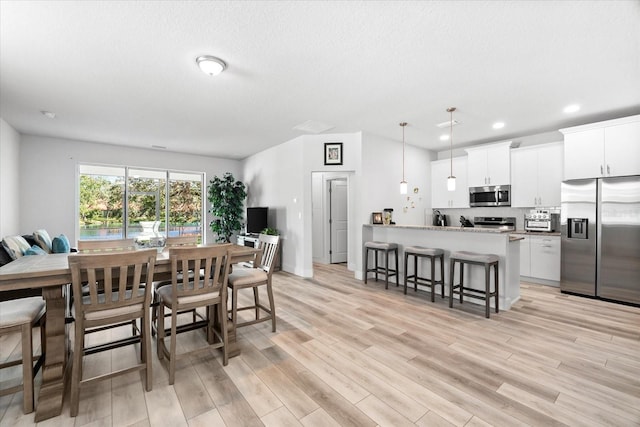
(492, 195)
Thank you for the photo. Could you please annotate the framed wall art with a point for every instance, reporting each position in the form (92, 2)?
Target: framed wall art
(376, 217)
(333, 153)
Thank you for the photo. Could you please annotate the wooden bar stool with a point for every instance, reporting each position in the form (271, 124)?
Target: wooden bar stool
(473, 258)
(388, 272)
(433, 255)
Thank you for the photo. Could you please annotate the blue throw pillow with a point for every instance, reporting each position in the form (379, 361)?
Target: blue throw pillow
(35, 250)
(60, 245)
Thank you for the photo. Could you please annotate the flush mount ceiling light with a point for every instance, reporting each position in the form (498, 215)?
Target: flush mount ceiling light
(451, 181)
(498, 125)
(210, 64)
(571, 108)
(403, 183)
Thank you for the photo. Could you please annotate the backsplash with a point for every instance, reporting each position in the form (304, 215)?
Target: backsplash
(453, 215)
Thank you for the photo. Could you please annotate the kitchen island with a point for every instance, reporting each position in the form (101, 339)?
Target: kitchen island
(450, 239)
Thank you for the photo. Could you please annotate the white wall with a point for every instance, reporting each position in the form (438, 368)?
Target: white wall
(9, 178)
(48, 176)
(373, 166)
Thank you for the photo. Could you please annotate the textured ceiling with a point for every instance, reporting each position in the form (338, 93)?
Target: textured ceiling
(123, 72)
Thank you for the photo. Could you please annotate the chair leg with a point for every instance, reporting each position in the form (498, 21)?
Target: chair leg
(406, 269)
(461, 282)
(375, 251)
(365, 264)
(442, 276)
(386, 269)
(487, 287)
(76, 368)
(433, 278)
(234, 307)
(415, 273)
(146, 342)
(495, 270)
(224, 331)
(272, 306)
(160, 330)
(172, 351)
(395, 254)
(452, 269)
(256, 301)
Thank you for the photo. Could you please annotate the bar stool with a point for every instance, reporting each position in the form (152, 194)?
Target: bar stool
(380, 247)
(433, 255)
(473, 258)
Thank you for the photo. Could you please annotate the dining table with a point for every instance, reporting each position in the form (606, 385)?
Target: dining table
(50, 273)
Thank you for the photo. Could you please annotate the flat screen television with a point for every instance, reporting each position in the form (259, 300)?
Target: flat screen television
(256, 220)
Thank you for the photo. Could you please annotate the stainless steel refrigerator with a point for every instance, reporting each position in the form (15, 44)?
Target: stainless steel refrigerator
(600, 247)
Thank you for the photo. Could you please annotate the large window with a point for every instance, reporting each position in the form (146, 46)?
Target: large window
(115, 199)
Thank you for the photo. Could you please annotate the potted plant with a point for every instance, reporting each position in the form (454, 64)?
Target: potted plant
(226, 196)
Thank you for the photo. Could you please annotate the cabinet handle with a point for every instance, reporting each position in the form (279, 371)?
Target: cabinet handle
(601, 170)
(608, 170)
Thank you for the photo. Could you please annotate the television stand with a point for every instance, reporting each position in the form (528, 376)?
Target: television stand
(251, 240)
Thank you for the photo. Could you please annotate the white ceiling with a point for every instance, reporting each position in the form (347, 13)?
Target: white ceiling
(123, 72)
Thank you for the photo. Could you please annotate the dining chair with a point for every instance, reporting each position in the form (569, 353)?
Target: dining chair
(111, 245)
(20, 316)
(172, 242)
(105, 246)
(254, 278)
(194, 291)
(104, 306)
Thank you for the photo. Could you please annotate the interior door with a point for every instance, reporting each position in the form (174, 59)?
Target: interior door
(338, 222)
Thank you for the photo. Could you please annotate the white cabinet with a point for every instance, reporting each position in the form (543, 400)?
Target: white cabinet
(603, 149)
(536, 175)
(545, 257)
(540, 257)
(440, 196)
(489, 164)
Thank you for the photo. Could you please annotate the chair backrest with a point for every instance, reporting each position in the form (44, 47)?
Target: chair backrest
(130, 272)
(269, 246)
(182, 241)
(113, 245)
(214, 259)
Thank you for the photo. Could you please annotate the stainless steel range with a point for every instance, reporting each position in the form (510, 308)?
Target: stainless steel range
(496, 222)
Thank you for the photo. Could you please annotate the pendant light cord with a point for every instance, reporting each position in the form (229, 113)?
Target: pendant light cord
(451, 110)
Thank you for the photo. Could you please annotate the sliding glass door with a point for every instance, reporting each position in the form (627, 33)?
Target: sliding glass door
(114, 200)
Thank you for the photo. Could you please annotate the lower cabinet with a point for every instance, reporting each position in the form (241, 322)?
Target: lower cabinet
(540, 257)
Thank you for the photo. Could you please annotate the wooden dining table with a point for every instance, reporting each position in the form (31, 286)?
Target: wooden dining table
(51, 273)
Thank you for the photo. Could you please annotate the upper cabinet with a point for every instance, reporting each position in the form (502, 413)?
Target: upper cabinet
(610, 148)
(489, 164)
(440, 196)
(536, 175)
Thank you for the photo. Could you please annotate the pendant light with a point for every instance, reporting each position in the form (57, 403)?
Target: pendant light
(451, 181)
(403, 183)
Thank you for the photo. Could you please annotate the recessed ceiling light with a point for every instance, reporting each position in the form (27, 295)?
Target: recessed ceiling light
(210, 64)
(571, 108)
(48, 114)
(444, 137)
(498, 125)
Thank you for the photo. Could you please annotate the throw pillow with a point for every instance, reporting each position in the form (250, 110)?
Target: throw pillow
(5, 258)
(43, 240)
(60, 245)
(15, 246)
(35, 250)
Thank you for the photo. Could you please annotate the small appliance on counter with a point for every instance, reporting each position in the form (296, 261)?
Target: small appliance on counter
(387, 216)
(541, 220)
(496, 222)
(464, 222)
(439, 219)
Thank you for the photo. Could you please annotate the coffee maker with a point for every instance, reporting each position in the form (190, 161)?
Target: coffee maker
(439, 219)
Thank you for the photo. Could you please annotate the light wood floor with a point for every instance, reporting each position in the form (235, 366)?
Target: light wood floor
(355, 355)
